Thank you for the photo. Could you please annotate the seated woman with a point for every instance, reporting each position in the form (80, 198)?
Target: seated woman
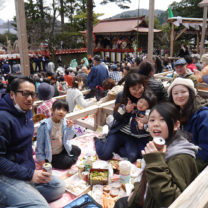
(168, 171)
(120, 138)
(193, 116)
(75, 97)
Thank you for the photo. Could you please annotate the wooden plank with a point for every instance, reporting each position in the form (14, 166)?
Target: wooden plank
(195, 195)
(151, 29)
(94, 109)
(60, 97)
(181, 32)
(22, 37)
(84, 124)
(108, 110)
(172, 39)
(203, 31)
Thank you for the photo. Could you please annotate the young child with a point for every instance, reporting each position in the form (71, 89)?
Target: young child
(143, 106)
(53, 136)
(169, 172)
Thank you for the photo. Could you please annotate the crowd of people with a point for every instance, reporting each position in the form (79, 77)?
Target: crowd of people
(144, 109)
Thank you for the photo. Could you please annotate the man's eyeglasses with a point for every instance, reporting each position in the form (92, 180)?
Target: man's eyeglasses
(27, 93)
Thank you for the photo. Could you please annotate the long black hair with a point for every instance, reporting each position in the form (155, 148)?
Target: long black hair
(189, 108)
(132, 79)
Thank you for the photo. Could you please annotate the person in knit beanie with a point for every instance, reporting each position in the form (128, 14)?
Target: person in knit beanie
(193, 116)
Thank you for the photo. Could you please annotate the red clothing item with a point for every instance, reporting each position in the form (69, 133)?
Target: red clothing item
(68, 79)
(192, 67)
(45, 107)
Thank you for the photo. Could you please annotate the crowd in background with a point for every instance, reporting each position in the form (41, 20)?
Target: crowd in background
(144, 109)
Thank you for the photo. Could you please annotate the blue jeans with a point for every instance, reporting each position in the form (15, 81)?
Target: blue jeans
(17, 193)
(121, 143)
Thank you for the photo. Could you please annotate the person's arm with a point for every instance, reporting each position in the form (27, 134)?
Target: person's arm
(124, 111)
(199, 129)
(90, 77)
(40, 148)
(83, 103)
(7, 167)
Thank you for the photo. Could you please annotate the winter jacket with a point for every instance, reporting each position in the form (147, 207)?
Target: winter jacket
(74, 96)
(167, 175)
(96, 76)
(16, 132)
(158, 89)
(197, 125)
(43, 150)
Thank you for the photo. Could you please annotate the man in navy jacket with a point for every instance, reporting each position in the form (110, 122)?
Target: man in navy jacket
(20, 184)
(97, 75)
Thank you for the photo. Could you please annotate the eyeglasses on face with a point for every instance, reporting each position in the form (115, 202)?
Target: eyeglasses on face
(27, 93)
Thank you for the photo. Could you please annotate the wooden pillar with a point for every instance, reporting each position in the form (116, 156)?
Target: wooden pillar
(197, 41)
(151, 29)
(203, 30)
(22, 37)
(172, 40)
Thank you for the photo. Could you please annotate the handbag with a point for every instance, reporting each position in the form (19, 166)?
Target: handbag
(84, 201)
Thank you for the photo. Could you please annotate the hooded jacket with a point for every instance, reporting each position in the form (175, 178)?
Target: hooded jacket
(197, 126)
(16, 132)
(43, 150)
(168, 174)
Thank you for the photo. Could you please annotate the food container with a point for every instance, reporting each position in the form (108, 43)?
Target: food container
(115, 166)
(125, 171)
(72, 172)
(99, 176)
(85, 176)
(76, 186)
(107, 188)
(80, 170)
(159, 143)
(114, 192)
(139, 163)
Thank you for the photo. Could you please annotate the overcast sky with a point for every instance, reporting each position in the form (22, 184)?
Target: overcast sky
(109, 10)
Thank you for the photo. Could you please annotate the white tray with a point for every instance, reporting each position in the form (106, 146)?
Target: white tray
(76, 186)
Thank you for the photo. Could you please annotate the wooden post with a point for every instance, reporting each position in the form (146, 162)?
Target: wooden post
(172, 40)
(151, 28)
(22, 37)
(203, 31)
(197, 41)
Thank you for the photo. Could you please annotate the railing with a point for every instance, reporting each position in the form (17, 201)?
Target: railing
(195, 195)
(202, 87)
(61, 97)
(99, 111)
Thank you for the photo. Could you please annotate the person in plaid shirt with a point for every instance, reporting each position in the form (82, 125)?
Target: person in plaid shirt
(115, 74)
(46, 93)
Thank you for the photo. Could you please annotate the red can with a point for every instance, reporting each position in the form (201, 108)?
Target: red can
(159, 143)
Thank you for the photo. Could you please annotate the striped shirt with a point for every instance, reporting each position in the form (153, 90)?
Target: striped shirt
(126, 129)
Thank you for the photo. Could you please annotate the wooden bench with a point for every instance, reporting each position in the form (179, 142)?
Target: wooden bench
(61, 97)
(202, 87)
(195, 195)
(100, 113)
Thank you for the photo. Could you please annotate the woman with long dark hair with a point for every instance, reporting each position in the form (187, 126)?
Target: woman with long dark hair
(120, 138)
(168, 171)
(193, 116)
